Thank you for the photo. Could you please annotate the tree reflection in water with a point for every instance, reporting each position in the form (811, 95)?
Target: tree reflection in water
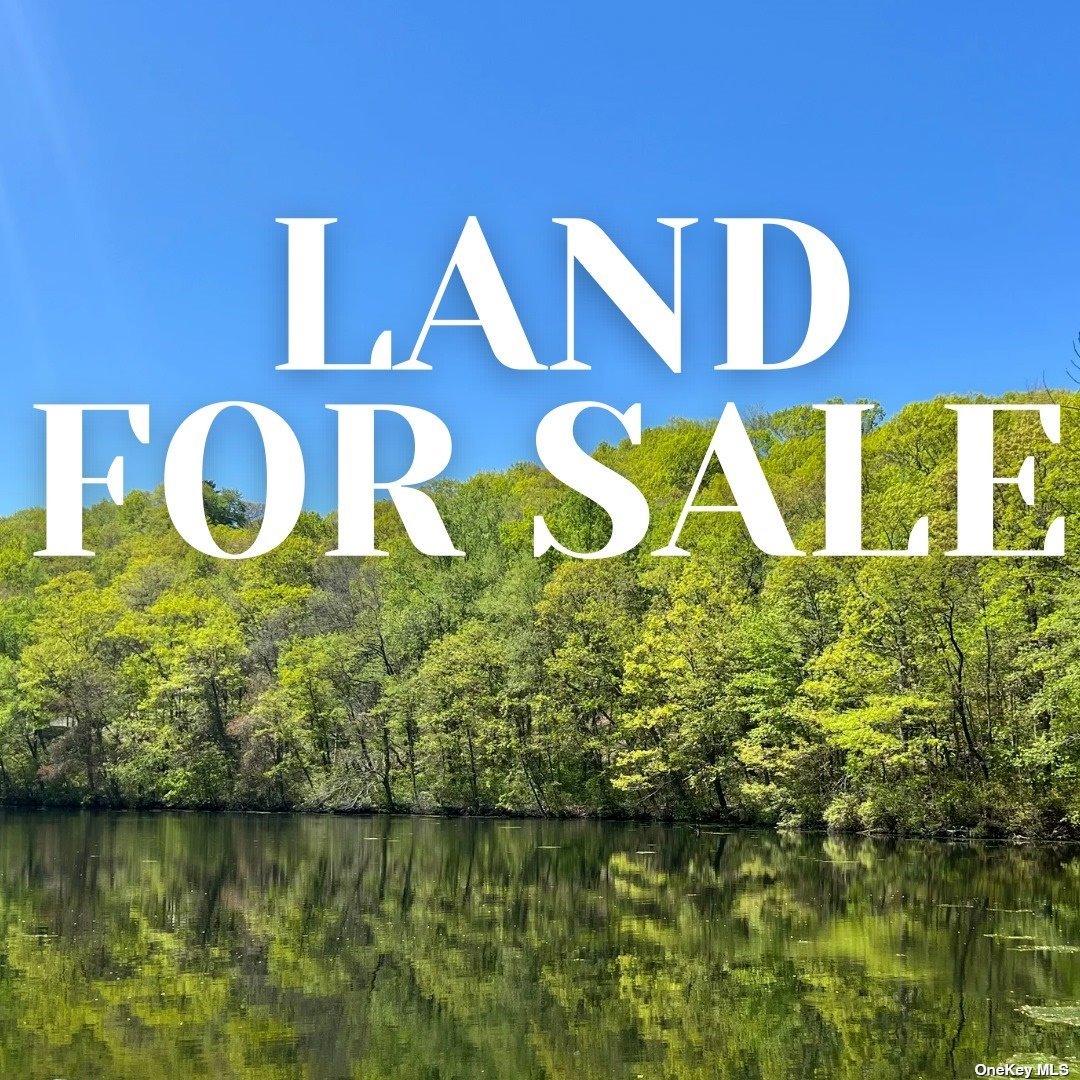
(256, 946)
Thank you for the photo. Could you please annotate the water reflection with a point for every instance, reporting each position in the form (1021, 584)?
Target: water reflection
(176, 945)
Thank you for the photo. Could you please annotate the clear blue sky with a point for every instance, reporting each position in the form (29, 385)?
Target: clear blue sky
(146, 148)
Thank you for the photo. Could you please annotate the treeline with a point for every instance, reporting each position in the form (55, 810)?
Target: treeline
(909, 695)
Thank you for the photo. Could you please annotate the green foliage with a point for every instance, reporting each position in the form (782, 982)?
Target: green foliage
(903, 695)
(224, 506)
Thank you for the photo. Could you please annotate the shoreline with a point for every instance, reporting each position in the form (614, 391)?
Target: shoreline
(696, 824)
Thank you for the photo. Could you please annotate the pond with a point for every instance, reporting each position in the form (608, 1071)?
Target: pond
(372, 948)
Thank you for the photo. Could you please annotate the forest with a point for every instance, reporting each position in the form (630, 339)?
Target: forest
(922, 696)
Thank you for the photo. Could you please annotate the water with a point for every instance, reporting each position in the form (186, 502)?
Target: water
(189, 945)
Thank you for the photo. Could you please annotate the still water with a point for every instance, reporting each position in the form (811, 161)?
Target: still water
(190, 945)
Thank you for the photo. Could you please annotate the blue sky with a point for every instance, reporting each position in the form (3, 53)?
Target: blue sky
(146, 149)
